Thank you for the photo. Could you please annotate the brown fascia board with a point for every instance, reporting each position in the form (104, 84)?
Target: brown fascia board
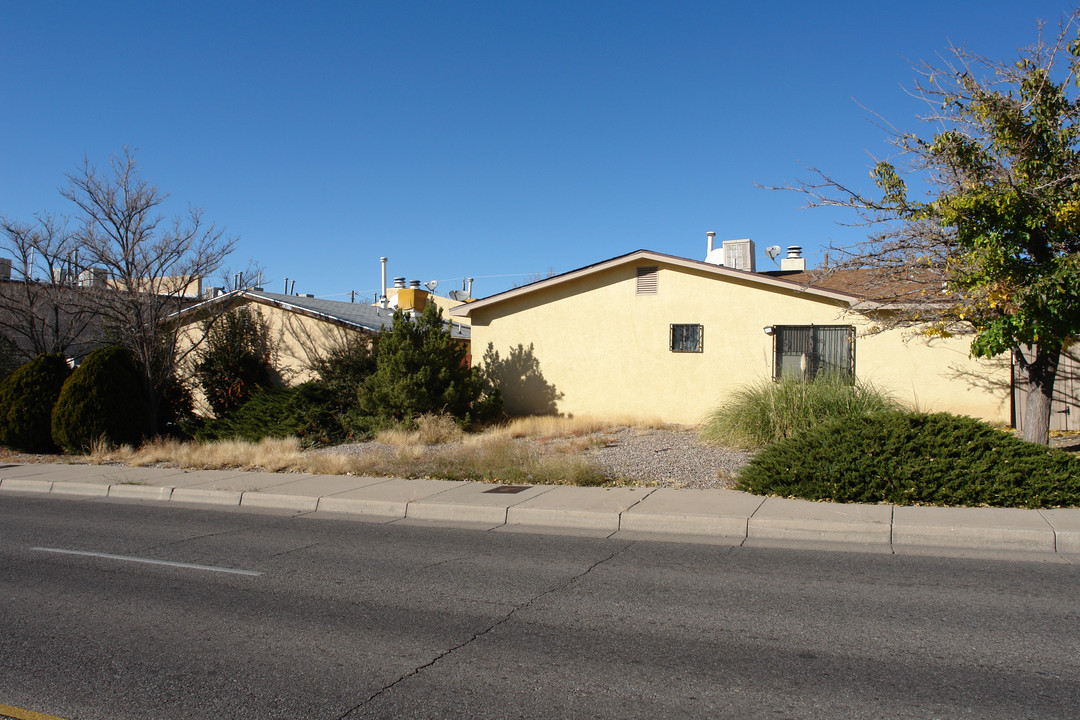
(235, 295)
(718, 270)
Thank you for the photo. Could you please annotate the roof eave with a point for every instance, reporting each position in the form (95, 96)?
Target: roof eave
(720, 270)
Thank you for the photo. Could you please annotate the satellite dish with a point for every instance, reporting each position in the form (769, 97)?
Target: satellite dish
(459, 295)
(431, 285)
(773, 251)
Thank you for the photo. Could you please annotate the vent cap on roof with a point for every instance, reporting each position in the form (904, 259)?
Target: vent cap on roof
(794, 261)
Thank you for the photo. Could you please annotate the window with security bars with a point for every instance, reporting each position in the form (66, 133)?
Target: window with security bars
(807, 351)
(686, 338)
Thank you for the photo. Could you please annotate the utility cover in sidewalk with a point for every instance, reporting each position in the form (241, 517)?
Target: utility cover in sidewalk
(508, 489)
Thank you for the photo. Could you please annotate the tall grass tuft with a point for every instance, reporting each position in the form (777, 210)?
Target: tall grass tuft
(431, 429)
(767, 411)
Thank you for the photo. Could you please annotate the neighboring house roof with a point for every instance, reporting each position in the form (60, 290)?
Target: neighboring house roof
(638, 256)
(886, 287)
(358, 316)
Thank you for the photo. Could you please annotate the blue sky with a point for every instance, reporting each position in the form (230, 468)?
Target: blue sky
(494, 140)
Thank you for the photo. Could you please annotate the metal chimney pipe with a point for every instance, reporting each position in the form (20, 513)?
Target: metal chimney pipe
(383, 261)
(286, 290)
(470, 287)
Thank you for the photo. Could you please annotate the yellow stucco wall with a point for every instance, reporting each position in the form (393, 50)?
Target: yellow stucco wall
(412, 298)
(605, 349)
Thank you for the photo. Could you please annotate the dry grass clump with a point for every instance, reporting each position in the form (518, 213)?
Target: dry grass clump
(484, 458)
(430, 430)
(270, 454)
(556, 426)
(500, 459)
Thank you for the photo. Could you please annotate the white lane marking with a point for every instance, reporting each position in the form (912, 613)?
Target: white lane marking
(149, 561)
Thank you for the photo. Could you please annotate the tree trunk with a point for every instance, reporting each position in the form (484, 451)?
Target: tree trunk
(1039, 374)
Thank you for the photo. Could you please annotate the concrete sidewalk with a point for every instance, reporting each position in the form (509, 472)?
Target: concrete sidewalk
(713, 516)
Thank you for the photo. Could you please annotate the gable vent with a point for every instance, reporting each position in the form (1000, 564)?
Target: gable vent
(646, 280)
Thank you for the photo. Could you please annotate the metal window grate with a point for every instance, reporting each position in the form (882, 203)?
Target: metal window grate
(686, 338)
(647, 280)
(809, 350)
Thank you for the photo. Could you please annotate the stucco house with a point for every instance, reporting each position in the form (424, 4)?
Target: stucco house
(651, 335)
(303, 327)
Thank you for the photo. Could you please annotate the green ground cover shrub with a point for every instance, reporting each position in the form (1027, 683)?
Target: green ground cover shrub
(908, 458)
(27, 397)
(104, 399)
(767, 411)
(305, 412)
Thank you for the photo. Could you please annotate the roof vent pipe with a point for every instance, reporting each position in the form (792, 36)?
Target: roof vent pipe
(383, 286)
(470, 287)
(399, 282)
(794, 261)
(712, 239)
(414, 284)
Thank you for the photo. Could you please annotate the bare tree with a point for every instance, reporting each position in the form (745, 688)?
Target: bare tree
(154, 265)
(41, 308)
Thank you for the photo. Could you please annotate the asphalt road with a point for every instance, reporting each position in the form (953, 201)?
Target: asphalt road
(357, 620)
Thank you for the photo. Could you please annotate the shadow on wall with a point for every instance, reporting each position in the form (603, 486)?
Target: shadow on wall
(518, 377)
(996, 382)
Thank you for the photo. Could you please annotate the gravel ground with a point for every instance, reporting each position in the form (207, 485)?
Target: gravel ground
(668, 458)
(665, 458)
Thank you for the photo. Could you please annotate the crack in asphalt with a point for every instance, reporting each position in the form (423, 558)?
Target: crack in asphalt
(297, 549)
(417, 670)
(190, 539)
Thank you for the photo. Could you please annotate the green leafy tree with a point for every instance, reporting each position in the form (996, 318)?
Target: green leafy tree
(421, 368)
(104, 399)
(27, 398)
(998, 228)
(236, 359)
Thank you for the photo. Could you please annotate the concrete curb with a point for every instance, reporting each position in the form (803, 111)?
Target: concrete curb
(710, 516)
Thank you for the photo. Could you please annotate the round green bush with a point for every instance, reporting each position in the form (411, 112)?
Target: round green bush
(104, 399)
(27, 398)
(914, 459)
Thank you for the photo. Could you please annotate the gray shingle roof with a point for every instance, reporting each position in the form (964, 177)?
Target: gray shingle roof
(357, 315)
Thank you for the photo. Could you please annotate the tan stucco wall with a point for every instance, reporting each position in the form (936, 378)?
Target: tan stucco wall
(296, 340)
(605, 349)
